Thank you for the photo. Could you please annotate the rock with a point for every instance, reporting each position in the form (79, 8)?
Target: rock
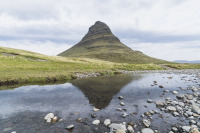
(119, 109)
(146, 123)
(120, 131)
(180, 96)
(181, 104)
(151, 112)
(189, 113)
(121, 103)
(160, 104)
(160, 86)
(93, 115)
(79, 120)
(114, 127)
(174, 129)
(55, 119)
(189, 97)
(194, 130)
(147, 114)
(124, 115)
(147, 130)
(48, 120)
(176, 114)
(149, 101)
(171, 108)
(120, 97)
(131, 123)
(70, 127)
(196, 109)
(193, 122)
(130, 129)
(95, 109)
(186, 128)
(166, 91)
(49, 116)
(174, 92)
(96, 122)
(195, 115)
(107, 122)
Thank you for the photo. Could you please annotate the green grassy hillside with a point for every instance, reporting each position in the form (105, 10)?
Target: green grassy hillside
(19, 66)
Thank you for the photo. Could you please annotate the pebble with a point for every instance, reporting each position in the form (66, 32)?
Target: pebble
(124, 115)
(194, 130)
(149, 101)
(174, 92)
(95, 109)
(119, 109)
(120, 97)
(171, 108)
(70, 127)
(186, 128)
(49, 116)
(96, 122)
(174, 129)
(114, 127)
(121, 103)
(93, 115)
(147, 130)
(55, 119)
(146, 123)
(130, 129)
(107, 122)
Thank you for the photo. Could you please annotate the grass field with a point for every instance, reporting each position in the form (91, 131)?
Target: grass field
(184, 66)
(19, 66)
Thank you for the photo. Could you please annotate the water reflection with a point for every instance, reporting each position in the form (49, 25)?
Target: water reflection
(101, 90)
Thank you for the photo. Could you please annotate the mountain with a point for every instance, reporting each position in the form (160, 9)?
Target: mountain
(100, 43)
(186, 61)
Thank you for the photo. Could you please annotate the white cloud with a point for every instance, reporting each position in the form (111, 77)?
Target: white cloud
(57, 22)
(47, 48)
(170, 51)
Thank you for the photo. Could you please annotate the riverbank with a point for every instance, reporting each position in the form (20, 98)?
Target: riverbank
(24, 67)
(159, 101)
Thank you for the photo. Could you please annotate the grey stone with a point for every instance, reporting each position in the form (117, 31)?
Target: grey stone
(114, 127)
(147, 130)
(70, 127)
(146, 123)
(107, 122)
(96, 122)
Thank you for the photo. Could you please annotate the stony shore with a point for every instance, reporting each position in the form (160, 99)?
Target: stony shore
(182, 104)
(186, 105)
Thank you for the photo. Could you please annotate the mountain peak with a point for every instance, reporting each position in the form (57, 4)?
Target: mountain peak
(100, 43)
(99, 29)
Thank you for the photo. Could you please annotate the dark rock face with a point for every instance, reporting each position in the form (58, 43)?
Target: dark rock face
(99, 29)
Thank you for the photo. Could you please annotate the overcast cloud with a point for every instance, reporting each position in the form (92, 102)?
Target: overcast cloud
(166, 29)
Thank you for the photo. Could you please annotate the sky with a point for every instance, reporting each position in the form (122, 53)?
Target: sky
(165, 29)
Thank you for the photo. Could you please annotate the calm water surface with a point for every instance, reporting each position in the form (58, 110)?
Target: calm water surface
(22, 109)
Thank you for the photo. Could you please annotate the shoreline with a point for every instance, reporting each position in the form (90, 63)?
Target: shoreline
(79, 75)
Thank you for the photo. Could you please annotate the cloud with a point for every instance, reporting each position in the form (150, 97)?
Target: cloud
(47, 48)
(65, 22)
(170, 51)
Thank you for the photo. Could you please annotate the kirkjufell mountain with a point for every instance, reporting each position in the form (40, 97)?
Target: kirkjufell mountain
(101, 43)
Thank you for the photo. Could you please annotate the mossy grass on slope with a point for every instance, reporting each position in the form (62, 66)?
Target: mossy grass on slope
(100, 43)
(19, 66)
(184, 66)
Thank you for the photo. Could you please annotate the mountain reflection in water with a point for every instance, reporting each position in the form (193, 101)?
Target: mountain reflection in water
(100, 90)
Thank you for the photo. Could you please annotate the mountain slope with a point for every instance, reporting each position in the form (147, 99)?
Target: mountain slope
(100, 43)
